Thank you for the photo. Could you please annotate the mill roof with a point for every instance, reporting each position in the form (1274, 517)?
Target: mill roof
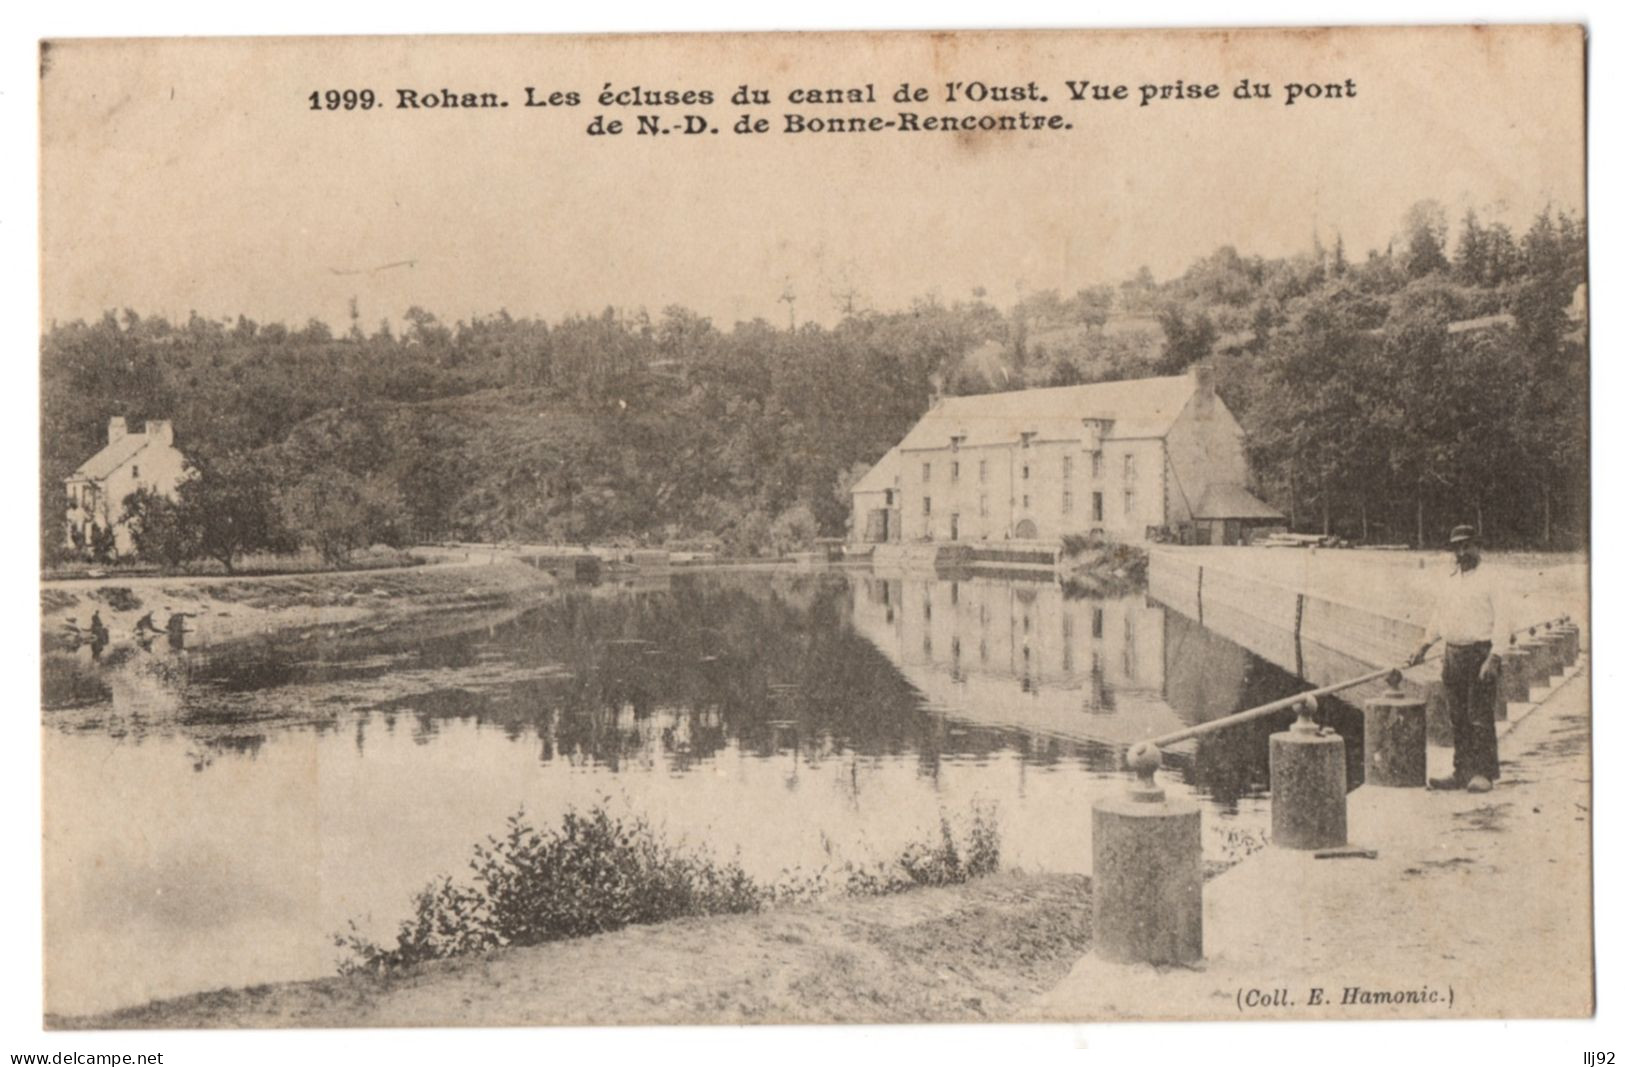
(1140, 407)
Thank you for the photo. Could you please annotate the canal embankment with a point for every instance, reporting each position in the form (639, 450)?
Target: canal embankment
(1329, 615)
(1341, 588)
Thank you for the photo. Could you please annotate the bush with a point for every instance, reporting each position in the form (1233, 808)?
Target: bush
(934, 863)
(1076, 544)
(598, 873)
(594, 874)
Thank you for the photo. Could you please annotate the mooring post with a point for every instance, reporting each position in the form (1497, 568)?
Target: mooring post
(1571, 640)
(1147, 875)
(1308, 785)
(1515, 667)
(1396, 738)
(1547, 660)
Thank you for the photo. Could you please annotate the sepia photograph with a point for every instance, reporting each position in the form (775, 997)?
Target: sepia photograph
(1042, 526)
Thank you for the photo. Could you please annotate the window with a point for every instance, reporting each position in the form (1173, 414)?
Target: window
(1066, 502)
(982, 506)
(1026, 502)
(955, 441)
(1097, 623)
(925, 472)
(1128, 503)
(954, 472)
(1097, 507)
(1066, 468)
(1027, 438)
(1026, 472)
(927, 505)
(1094, 464)
(1128, 467)
(135, 471)
(982, 472)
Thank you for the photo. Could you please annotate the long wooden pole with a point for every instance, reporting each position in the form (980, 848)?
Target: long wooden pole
(1215, 725)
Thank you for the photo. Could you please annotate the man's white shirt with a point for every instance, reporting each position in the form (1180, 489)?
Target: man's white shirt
(1468, 608)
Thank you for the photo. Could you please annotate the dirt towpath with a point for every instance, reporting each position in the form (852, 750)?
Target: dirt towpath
(969, 953)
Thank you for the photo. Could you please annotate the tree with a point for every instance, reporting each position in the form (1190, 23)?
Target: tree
(229, 506)
(1066, 372)
(335, 512)
(103, 545)
(1190, 335)
(1424, 233)
(1095, 305)
(159, 529)
(793, 530)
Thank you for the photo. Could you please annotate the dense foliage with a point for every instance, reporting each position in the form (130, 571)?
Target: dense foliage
(597, 872)
(1385, 400)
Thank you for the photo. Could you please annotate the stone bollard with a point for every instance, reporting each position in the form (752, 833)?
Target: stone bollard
(1571, 641)
(1396, 739)
(1548, 662)
(1535, 670)
(1515, 674)
(1568, 637)
(1558, 645)
(1308, 785)
(1559, 641)
(1147, 876)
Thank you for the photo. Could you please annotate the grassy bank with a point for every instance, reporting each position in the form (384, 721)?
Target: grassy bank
(965, 953)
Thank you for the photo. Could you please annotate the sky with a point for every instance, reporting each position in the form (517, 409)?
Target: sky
(182, 176)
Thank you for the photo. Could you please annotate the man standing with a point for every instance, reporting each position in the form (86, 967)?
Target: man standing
(1467, 617)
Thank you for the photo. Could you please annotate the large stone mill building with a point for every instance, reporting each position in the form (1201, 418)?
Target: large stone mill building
(1129, 460)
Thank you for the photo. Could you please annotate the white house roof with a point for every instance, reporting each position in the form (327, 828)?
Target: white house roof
(111, 457)
(880, 477)
(1142, 407)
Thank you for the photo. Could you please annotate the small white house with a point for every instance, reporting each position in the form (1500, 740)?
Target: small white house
(129, 461)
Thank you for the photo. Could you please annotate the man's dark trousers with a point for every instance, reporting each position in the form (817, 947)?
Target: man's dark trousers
(1471, 701)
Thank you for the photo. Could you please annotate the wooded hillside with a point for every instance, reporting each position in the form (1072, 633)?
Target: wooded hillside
(1440, 380)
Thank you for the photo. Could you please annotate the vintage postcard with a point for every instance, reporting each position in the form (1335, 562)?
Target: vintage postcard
(815, 528)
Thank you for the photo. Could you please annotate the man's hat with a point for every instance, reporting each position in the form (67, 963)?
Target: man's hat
(1461, 535)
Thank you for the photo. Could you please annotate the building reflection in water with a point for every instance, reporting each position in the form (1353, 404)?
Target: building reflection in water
(1027, 655)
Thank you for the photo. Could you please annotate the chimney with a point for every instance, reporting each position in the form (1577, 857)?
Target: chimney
(116, 429)
(160, 431)
(1202, 379)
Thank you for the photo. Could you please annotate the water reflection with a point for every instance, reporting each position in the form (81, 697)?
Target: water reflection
(1102, 672)
(772, 717)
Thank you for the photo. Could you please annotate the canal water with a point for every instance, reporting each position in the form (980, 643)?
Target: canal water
(214, 819)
